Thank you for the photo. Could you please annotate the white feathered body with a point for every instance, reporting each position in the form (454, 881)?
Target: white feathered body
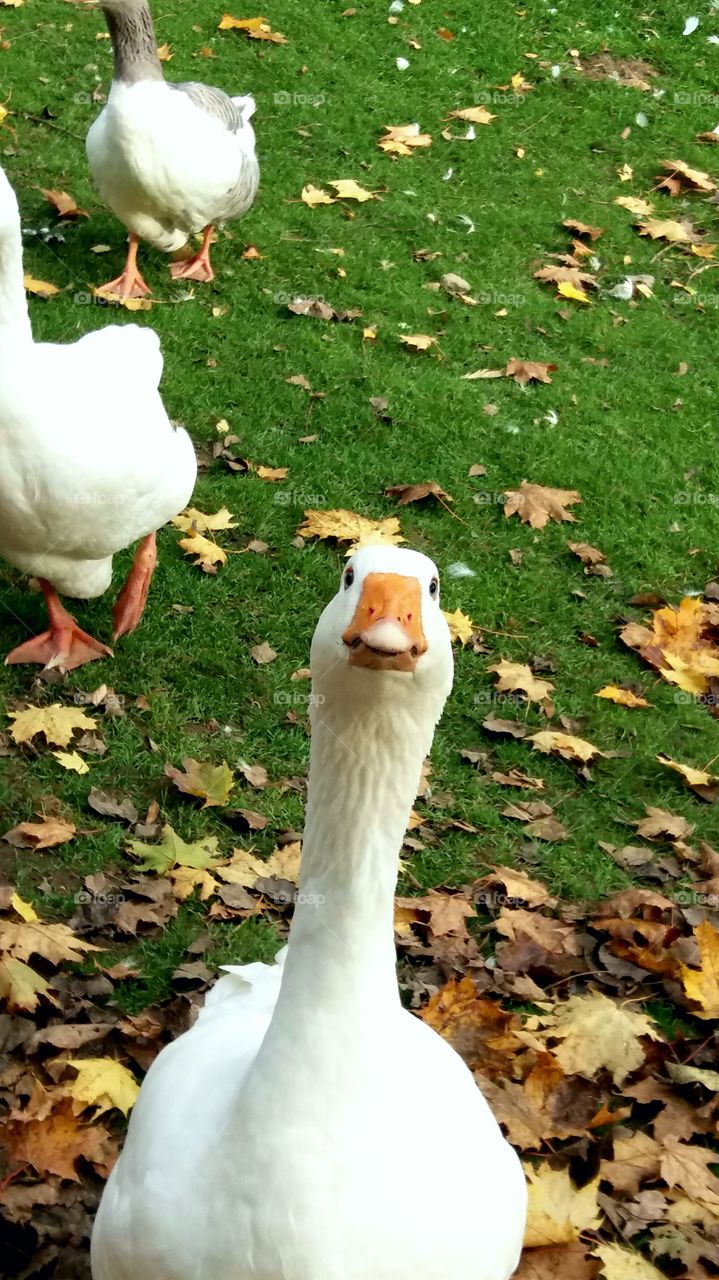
(385, 1164)
(90, 459)
(167, 167)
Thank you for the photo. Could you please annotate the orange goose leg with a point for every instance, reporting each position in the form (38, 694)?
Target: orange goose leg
(64, 645)
(130, 284)
(130, 604)
(198, 267)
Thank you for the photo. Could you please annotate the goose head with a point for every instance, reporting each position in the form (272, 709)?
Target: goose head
(383, 636)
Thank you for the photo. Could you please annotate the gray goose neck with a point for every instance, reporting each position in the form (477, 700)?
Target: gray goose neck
(134, 44)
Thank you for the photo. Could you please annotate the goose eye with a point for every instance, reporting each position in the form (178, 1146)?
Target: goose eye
(434, 588)
(349, 577)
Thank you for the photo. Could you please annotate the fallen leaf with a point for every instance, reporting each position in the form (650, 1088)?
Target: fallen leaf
(702, 985)
(63, 203)
(406, 493)
(558, 1211)
(552, 742)
(679, 644)
(46, 834)
(688, 1167)
(642, 208)
(54, 942)
(668, 229)
(460, 626)
(623, 697)
(193, 521)
(524, 371)
(315, 195)
(254, 28)
(566, 275)
(172, 851)
(401, 139)
(112, 805)
(54, 1144)
(417, 341)
(263, 653)
(102, 1083)
(164, 53)
(72, 761)
(567, 290)
(596, 1034)
(347, 526)
(271, 474)
(659, 824)
(517, 676)
(586, 553)
(536, 505)
(557, 1262)
(56, 723)
(518, 887)
(211, 783)
(582, 229)
(702, 784)
(348, 189)
(475, 115)
(208, 555)
(619, 1263)
(694, 179)
(515, 778)
(21, 986)
(41, 288)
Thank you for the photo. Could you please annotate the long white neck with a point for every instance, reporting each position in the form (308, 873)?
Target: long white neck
(364, 770)
(14, 317)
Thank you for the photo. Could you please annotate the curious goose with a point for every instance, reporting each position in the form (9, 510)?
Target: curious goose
(169, 159)
(84, 474)
(307, 1127)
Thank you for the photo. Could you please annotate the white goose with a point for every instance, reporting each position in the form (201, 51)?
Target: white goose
(83, 474)
(168, 159)
(307, 1127)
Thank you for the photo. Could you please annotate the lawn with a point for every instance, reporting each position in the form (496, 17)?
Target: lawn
(627, 420)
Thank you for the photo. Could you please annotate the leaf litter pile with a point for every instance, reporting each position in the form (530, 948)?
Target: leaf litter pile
(591, 1026)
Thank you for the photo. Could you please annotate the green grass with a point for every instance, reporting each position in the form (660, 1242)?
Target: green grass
(620, 438)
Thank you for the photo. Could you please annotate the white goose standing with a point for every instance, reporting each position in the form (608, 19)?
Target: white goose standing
(83, 474)
(168, 159)
(307, 1127)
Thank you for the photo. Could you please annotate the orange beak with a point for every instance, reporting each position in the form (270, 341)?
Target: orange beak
(386, 633)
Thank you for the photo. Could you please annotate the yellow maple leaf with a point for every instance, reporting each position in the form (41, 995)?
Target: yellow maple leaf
(103, 1083)
(623, 697)
(348, 189)
(401, 139)
(314, 196)
(22, 986)
(518, 677)
(619, 1263)
(702, 985)
(271, 474)
(72, 761)
(164, 52)
(536, 504)
(476, 115)
(347, 526)
(697, 779)
(567, 290)
(596, 1034)
(666, 229)
(679, 644)
(254, 28)
(42, 288)
(557, 1211)
(642, 208)
(418, 341)
(696, 179)
(54, 942)
(25, 910)
(460, 626)
(565, 745)
(703, 250)
(56, 723)
(208, 554)
(194, 521)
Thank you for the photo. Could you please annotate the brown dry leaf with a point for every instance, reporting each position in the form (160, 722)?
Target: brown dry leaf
(483, 373)
(582, 229)
(642, 208)
(660, 824)
(54, 942)
(401, 139)
(524, 371)
(315, 195)
(515, 778)
(164, 52)
(417, 341)
(45, 834)
(253, 28)
(406, 493)
(41, 288)
(347, 526)
(552, 742)
(702, 985)
(586, 553)
(517, 886)
(63, 203)
(668, 229)
(558, 1262)
(475, 115)
(573, 276)
(623, 697)
(480, 1031)
(679, 644)
(271, 474)
(558, 1212)
(694, 179)
(317, 309)
(635, 1160)
(263, 653)
(596, 1034)
(619, 1263)
(211, 783)
(54, 1144)
(688, 1167)
(460, 626)
(518, 677)
(56, 723)
(536, 505)
(705, 785)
